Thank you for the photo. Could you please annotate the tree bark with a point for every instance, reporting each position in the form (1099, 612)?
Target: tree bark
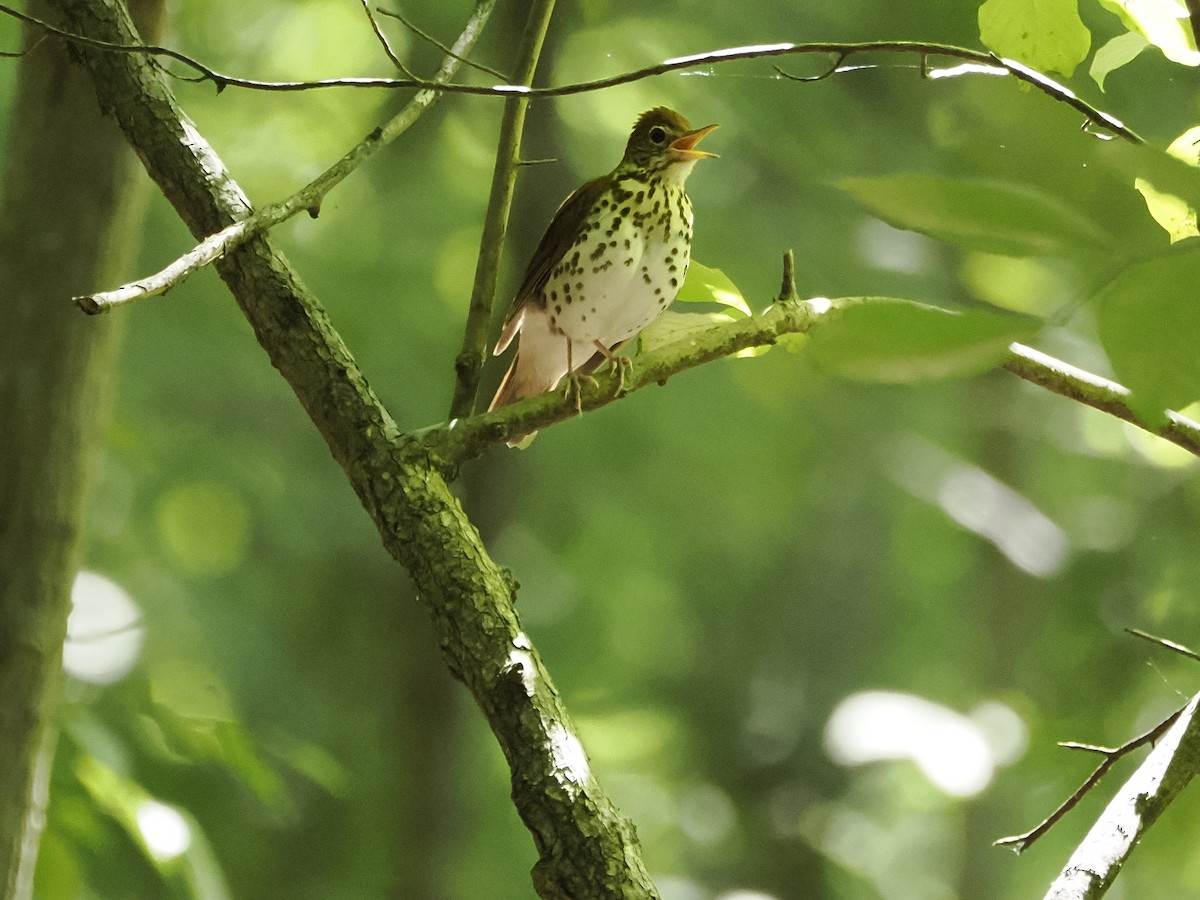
(70, 205)
(587, 849)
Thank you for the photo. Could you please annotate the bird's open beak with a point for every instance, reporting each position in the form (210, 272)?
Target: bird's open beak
(683, 148)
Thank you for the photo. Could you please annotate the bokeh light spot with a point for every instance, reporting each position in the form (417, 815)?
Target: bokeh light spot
(204, 527)
(165, 831)
(104, 631)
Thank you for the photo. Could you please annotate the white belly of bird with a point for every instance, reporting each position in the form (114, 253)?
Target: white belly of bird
(623, 272)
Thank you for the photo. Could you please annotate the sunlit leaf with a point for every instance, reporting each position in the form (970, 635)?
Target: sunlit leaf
(1047, 35)
(897, 341)
(1173, 213)
(993, 216)
(705, 285)
(1162, 23)
(1149, 322)
(1120, 51)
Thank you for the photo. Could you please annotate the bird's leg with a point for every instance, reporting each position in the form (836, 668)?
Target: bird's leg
(622, 364)
(574, 386)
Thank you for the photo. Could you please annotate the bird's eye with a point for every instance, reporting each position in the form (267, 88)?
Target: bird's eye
(658, 134)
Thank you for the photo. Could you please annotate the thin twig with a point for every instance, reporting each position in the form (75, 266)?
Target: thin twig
(425, 36)
(758, 51)
(1165, 643)
(469, 363)
(1112, 755)
(308, 198)
(17, 54)
(787, 286)
(383, 41)
(1094, 865)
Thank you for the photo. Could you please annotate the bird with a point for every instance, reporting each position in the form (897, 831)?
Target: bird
(612, 259)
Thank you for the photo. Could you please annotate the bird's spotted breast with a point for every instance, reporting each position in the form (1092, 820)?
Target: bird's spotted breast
(625, 265)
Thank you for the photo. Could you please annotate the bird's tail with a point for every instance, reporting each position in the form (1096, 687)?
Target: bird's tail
(522, 380)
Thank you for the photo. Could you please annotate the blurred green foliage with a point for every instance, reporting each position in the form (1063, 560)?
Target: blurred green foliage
(709, 570)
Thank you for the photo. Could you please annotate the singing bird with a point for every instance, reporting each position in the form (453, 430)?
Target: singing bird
(612, 259)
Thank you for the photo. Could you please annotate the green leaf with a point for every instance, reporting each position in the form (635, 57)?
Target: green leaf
(705, 285)
(1047, 35)
(1162, 23)
(992, 216)
(1149, 319)
(1120, 51)
(1173, 213)
(898, 341)
(169, 838)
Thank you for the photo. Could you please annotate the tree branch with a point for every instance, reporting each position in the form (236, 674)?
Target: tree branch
(586, 847)
(1098, 859)
(1112, 755)
(310, 197)
(1099, 393)
(840, 50)
(469, 363)
(461, 440)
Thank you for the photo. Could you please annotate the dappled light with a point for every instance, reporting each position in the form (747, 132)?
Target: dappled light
(165, 831)
(979, 502)
(950, 749)
(569, 756)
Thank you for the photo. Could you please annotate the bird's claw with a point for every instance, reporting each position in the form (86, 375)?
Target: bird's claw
(623, 366)
(574, 389)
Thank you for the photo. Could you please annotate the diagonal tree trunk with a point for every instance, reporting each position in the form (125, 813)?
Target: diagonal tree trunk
(70, 205)
(586, 847)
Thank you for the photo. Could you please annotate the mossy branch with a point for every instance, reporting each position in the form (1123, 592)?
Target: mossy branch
(586, 848)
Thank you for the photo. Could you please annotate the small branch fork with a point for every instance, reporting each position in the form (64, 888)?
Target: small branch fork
(1098, 859)
(1111, 755)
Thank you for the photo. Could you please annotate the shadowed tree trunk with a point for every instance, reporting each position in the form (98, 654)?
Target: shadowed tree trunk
(70, 191)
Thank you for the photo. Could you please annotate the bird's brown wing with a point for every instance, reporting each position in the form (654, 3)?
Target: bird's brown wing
(553, 247)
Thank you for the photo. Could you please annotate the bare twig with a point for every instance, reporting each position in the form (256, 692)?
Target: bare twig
(308, 198)
(469, 362)
(1165, 643)
(383, 41)
(787, 286)
(1112, 755)
(429, 38)
(17, 54)
(1098, 859)
(684, 63)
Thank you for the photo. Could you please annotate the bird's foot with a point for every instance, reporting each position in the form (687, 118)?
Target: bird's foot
(573, 390)
(621, 365)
